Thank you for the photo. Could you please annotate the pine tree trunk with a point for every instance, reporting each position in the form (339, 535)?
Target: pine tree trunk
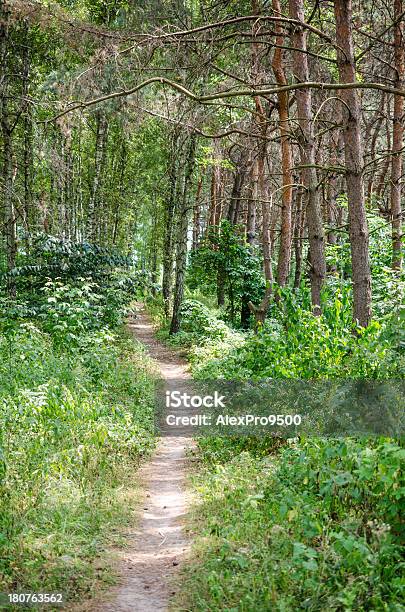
(99, 162)
(267, 246)
(298, 237)
(358, 229)
(27, 144)
(308, 159)
(332, 207)
(284, 256)
(10, 222)
(236, 193)
(122, 166)
(181, 252)
(168, 240)
(377, 127)
(397, 139)
(253, 196)
(197, 216)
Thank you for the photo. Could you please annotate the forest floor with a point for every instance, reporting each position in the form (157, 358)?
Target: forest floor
(156, 549)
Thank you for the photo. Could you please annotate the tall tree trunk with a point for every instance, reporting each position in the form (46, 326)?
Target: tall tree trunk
(358, 229)
(78, 188)
(62, 184)
(153, 254)
(27, 143)
(377, 127)
(99, 162)
(10, 222)
(215, 208)
(169, 214)
(236, 193)
(197, 216)
(298, 237)
(385, 166)
(253, 196)
(397, 139)
(122, 166)
(266, 239)
(332, 207)
(308, 159)
(213, 197)
(219, 197)
(260, 311)
(284, 256)
(259, 117)
(181, 252)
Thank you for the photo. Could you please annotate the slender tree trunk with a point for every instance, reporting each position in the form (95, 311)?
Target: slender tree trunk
(99, 161)
(28, 144)
(213, 197)
(259, 312)
(121, 191)
(78, 187)
(259, 116)
(10, 222)
(385, 166)
(259, 191)
(266, 208)
(215, 208)
(62, 183)
(181, 252)
(197, 216)
(236, 193)
(168, 240)
(332, 212)
(153, 255)
(298, 237)
(70, 205)
(308, 158)
(284, 256)
(358, 230)
(377, 127)
(253, 196)
(28, 165)
(219, 197)
(397, 139)
(267, 245)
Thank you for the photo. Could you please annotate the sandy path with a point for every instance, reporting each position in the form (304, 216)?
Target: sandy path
(157, 548)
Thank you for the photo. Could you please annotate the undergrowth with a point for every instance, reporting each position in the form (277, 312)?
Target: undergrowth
(307, 524)
(76, 418)
(315, 526)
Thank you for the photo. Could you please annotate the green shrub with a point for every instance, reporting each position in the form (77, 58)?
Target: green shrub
(73, 428)
(306, 524)
(308, 347)
(76, 418)
(316, 527)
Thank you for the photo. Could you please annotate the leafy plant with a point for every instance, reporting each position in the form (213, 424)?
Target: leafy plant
(225, 263)
(76, 417)
(315, 525)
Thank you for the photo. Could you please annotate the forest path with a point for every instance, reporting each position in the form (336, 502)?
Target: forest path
(158, 545)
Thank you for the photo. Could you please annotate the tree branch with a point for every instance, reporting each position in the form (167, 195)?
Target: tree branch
(233, 21)
(208, 98)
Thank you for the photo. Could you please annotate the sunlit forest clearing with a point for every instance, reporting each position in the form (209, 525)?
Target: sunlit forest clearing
(209, 190)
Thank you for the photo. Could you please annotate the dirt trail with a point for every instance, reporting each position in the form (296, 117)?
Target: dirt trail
(158, 546)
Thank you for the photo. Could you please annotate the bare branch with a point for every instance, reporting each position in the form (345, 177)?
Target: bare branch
(208, 98)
